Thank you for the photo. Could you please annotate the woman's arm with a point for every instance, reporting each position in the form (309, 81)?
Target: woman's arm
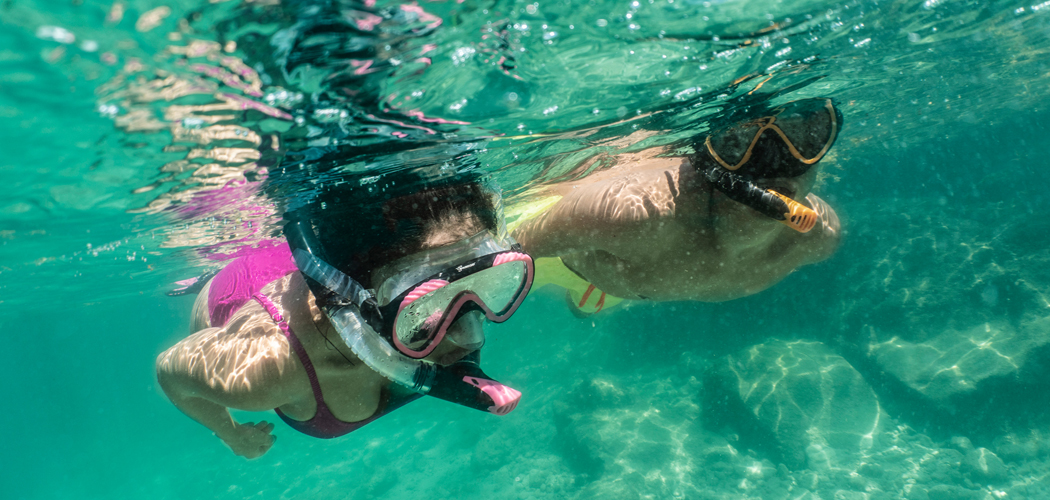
(245, 366)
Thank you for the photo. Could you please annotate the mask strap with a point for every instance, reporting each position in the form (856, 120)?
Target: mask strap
(328, 276)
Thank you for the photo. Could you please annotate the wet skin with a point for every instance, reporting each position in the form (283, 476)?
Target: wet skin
(652, 228)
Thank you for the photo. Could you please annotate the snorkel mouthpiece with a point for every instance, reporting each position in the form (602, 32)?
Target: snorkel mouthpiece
(766, 201)
(464, 383)
(797, 216)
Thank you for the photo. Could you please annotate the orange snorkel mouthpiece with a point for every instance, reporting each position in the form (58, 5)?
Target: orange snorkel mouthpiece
(798, 216)
(766, 201)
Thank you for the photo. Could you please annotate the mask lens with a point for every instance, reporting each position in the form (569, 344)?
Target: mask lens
(785, 144)
(734, 146)
(497, 288)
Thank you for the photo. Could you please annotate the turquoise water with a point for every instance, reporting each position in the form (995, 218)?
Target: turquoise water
(914, 367)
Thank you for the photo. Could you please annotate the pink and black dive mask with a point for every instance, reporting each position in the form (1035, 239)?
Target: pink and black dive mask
(393, 338)
(418, 319)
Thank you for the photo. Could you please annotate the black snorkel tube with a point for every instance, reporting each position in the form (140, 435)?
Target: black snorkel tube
(347, 303)
(766, 201)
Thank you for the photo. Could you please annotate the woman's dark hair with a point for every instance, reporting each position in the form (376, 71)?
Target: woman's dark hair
(360, 229)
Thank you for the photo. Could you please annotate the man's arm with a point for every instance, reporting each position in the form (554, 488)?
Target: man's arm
(213, 370)
(604, 215)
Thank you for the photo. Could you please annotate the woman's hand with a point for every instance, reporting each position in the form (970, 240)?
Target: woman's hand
(250, 440)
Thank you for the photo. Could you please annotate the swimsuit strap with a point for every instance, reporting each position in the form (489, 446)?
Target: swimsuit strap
(584, 298)
(587, 295)
(325, 424)
(296, 345)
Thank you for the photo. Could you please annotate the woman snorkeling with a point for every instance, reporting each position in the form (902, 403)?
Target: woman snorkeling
(368, 289)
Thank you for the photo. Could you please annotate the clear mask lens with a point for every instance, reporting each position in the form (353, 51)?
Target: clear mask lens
(494, 290)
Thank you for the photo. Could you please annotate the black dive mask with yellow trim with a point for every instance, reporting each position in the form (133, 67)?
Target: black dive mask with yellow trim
(785, 144)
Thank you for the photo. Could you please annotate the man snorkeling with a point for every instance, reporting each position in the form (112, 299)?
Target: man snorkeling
(367, 290)
(728, 221)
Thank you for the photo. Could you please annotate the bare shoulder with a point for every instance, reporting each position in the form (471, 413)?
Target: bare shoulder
(248, 363)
